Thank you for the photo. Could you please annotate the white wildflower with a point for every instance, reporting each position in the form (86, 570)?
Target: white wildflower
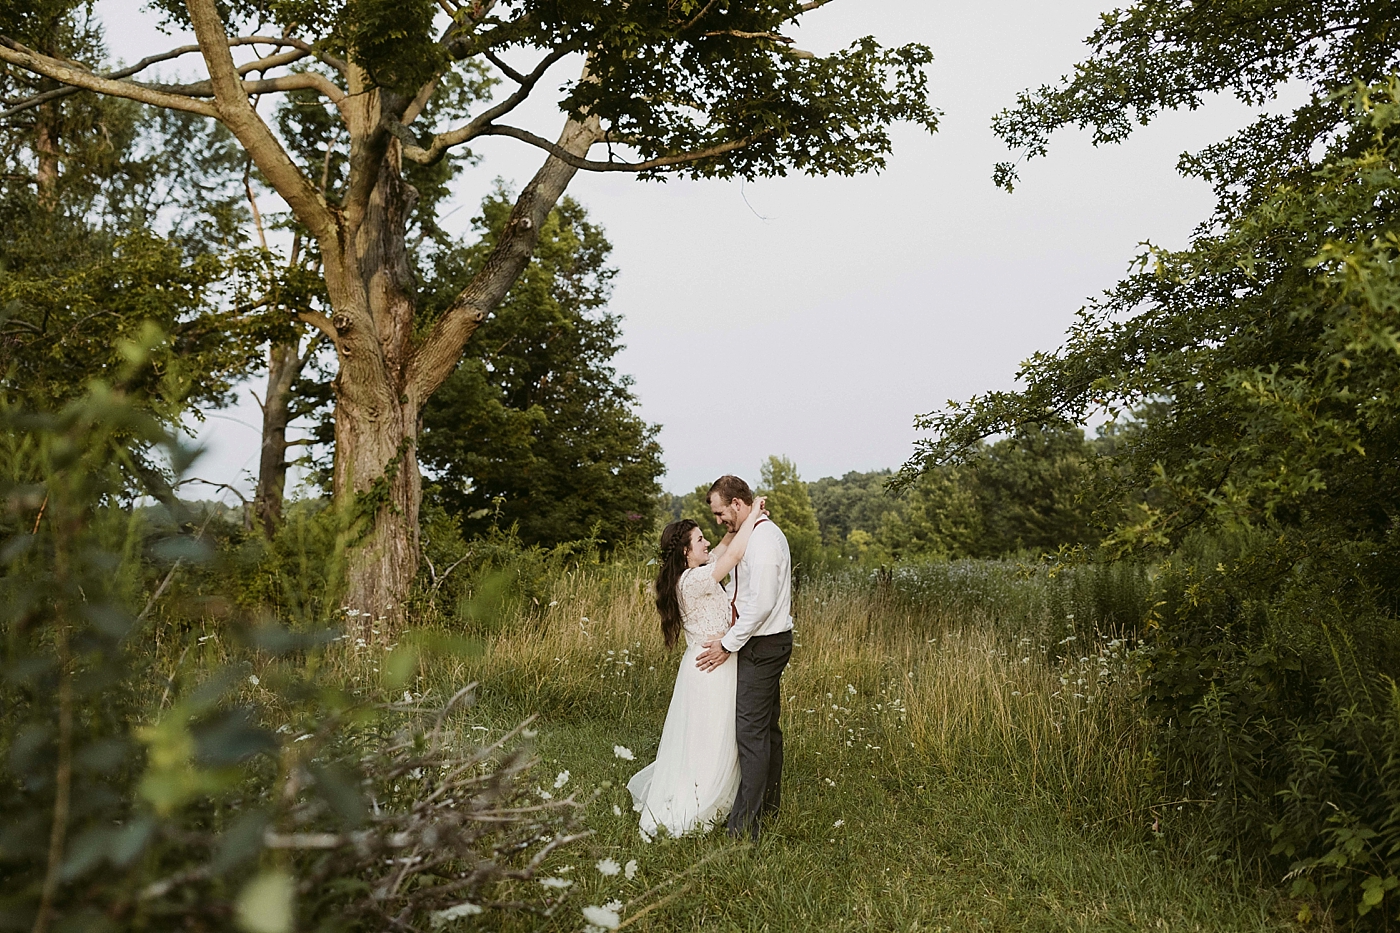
(617, 811)
(557, 883)
(851, 689)
(456, 912)
(838, 824)
(623, 752)
(608, 867)
(613, 905)
(561, 780)
(630, 870)
(253, 679)
(602, 917)
(829, 782)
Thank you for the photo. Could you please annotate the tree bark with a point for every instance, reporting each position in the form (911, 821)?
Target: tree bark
(284, 366)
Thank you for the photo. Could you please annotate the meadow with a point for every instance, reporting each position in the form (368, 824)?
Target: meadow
(963, 752)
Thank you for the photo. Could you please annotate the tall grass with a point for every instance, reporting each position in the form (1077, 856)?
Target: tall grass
(964, 752)
(950, 680)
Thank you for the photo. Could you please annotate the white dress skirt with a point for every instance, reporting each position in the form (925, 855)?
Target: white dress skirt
(691, 784)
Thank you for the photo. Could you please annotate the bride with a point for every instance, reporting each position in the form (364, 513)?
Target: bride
(695, 776)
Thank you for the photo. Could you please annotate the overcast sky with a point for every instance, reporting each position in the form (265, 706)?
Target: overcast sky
(815, 317)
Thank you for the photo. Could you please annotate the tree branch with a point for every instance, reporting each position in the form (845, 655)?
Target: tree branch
(444, 141)
(590, 165)
(319, 321)
(303, 48)
(506, 70)
(305, 80)
(13, 53)
(437, 355)
(239, 116)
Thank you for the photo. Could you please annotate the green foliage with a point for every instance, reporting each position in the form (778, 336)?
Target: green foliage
(1022, 493)
(855, 502)
(1152, 56)
(695, 506)
(792, 511)
(669, 77)
(235, 777)
(536, 429)
(1266, 354)
(118, 220)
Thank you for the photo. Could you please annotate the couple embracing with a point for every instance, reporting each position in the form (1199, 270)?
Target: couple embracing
(721, 748)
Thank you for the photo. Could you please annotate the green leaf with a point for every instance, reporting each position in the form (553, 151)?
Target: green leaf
(267, 903)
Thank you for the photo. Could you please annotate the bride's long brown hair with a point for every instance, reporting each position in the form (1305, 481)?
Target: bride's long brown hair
(675, 539)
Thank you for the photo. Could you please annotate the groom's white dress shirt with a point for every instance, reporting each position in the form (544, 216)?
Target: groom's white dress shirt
(764, 588)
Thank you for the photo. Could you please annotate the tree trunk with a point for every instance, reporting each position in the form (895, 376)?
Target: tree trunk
(379, 487)
(46, 153)
(284, 367)
(376, 482)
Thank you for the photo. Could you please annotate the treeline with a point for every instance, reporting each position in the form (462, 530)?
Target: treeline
(1027, 494)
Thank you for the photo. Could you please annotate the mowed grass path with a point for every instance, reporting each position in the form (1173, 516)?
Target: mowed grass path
(940, 776)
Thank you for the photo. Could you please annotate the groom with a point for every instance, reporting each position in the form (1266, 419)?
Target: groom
(761, 600)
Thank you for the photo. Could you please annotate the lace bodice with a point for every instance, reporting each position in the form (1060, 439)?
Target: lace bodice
(705, 609)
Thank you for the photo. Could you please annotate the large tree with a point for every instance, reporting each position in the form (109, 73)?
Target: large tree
(536, 429)
(705, 89)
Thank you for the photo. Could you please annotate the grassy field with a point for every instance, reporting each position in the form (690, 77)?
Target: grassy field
(962, 754)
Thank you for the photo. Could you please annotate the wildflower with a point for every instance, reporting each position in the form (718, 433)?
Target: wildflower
(608, 867)
(850, 689)
(630, 870)
(253, 679)
(584, 619)
(613, 905)
(561, 780)
(838, 824)
(556, 883)
(456, 912)
(617, 811)
(602, 918)
(830, 782)
(623, 752)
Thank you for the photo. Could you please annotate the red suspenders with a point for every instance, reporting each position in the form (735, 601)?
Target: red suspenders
(733, 600)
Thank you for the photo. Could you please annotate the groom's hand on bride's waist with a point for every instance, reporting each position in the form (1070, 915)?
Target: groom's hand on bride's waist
(713, 655)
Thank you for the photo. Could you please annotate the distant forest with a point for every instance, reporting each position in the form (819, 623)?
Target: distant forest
(1029, 493)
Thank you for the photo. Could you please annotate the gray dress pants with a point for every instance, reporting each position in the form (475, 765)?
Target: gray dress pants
(757, 702)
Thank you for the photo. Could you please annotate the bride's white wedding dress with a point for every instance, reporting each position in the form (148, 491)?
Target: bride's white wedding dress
(695, 776)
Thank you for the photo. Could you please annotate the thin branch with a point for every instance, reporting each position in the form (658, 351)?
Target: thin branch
(590, 165)
(812, 5)
(506, 70)
(698, 16)
(444, 141)
(740, 34)
(13, 53)
(253, 202)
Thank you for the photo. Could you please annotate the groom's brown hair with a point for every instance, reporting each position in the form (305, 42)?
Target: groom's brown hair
(731, 488)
